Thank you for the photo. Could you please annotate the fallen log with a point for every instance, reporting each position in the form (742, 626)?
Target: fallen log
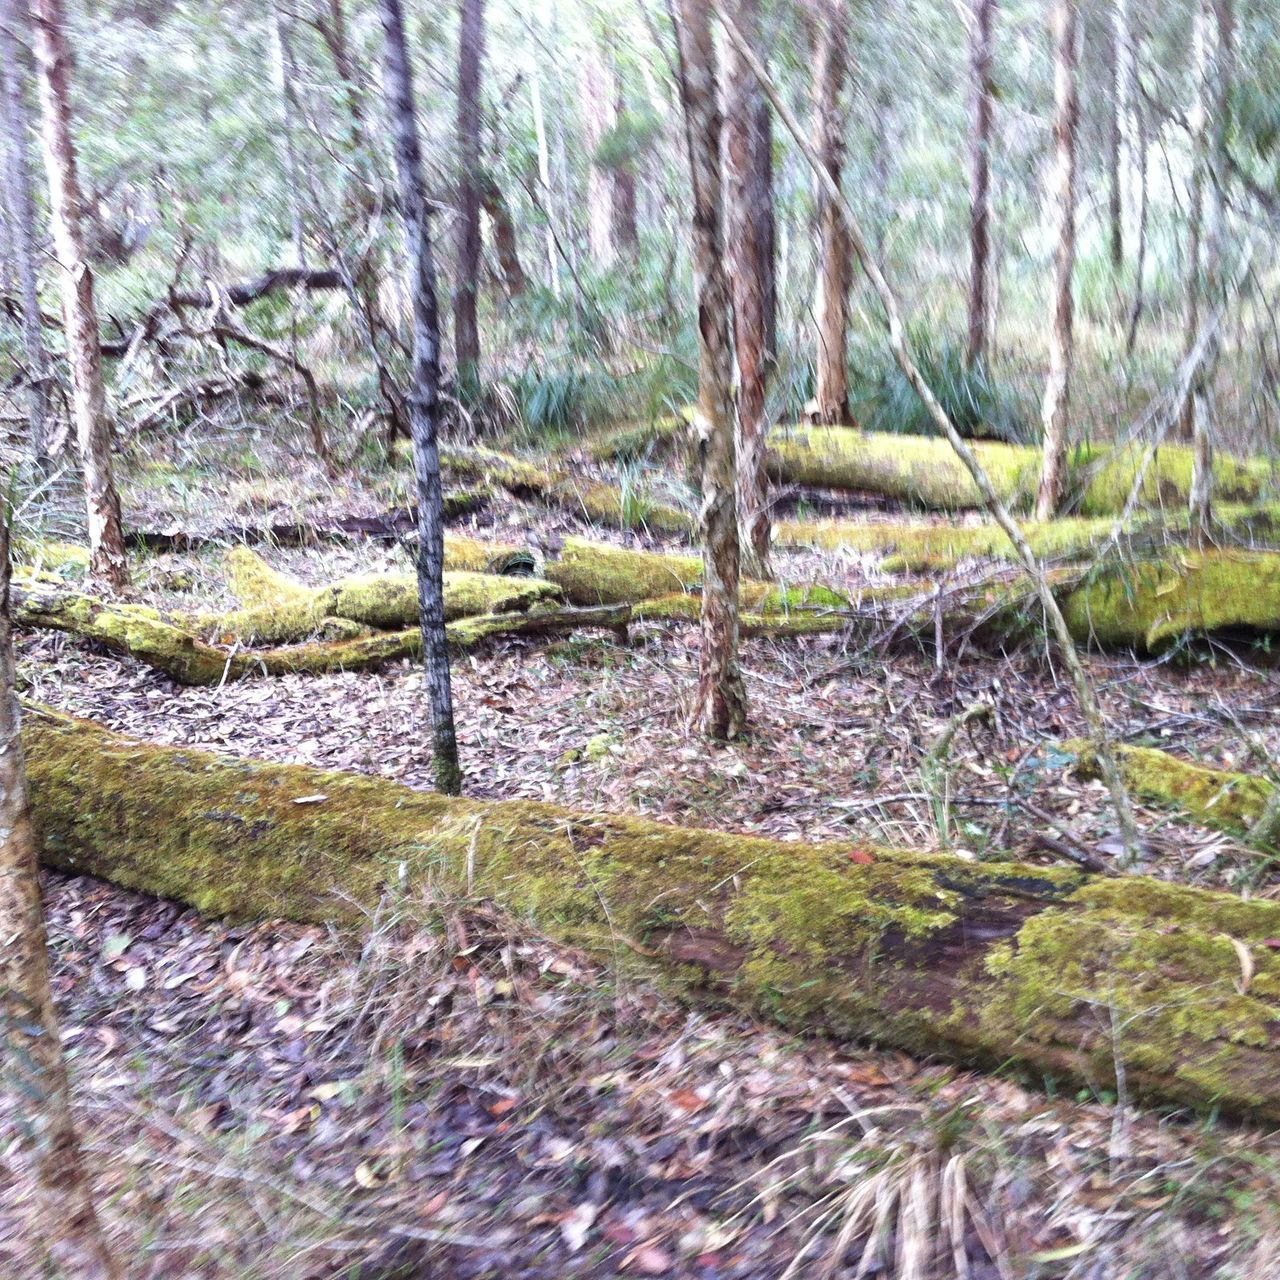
(915, 547)
(593, 499)
(391, 526)
(170, 645)
(924, 472)
(1056, 970)
(279, 609)
(1225, 799)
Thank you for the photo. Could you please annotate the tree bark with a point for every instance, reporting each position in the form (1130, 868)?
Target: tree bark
(284, 74)
(982, 87)
(88, 390)
(1115, 138)
(1056, 408)
(424, 397)
(49, 1151)
(721, 706)
(831, 61)
(20, 202)
(466, 331)
(1217, 39)
(626, 235)
(505, 244)
(991, 962)
(598, 109)
(750, 209)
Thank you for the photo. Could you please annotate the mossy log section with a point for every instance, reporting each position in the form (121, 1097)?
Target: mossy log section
(579, 495)
(279, 609)
(918, 547)
(923, 471)
(170, 646)
(1221, 798)
(990, 963)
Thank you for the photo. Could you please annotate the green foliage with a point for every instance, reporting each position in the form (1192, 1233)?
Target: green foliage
(978, 400)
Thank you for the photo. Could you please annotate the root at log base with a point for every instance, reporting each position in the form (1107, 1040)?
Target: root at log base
(1220, 798)
(594, 499)
(924, 471)
(990, 963)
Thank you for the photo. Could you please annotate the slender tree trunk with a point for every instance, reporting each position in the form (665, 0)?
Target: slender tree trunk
(505, 244)
(1115, 143)
(283, 70)
(750, 205)
(88, 391)
(831, 62)
(31, 1062)
(424, 398)
(544, 178)
(626, 237)
(1217, 19)
(598, 117)
(721, 708)
(982, 87)
(21, 205)
(1141, 151)
(1194, 260)
(1055, 411)
(466, 331)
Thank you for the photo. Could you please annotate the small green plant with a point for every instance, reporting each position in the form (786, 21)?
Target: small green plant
(637, 505)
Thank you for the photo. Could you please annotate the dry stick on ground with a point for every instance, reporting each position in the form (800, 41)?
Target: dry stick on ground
(32, 1052)
(900, 345)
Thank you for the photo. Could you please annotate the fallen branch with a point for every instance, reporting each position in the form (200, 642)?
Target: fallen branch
(990, 963)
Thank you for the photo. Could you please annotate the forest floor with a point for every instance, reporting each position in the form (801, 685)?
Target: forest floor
(280, 1101)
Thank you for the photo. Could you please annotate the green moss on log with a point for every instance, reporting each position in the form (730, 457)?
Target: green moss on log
(595, 500)
(1152, 603)
(594, 573)
(282, 610)
(1220, 798)
(656, 438)
(988, 962)
(919, 470)
(1167, 482)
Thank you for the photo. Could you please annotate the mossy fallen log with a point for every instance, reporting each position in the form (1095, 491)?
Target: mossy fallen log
(595, 573)
(915, 547)
(665, 437)
(1153, 603)
(579, 495)
(279, 609)
(1221, 798)
(991, 963)
(924, 472)
(170, 644)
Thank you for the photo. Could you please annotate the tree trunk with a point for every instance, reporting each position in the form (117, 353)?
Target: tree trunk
(21, 206)
(88, 391)
(982, 87)
(1055, 411)
(283, 71)
(49, 1152)
(424, 397)
(466, 331)
(505, 244)
(831, 61)
(750, 209)
(1115, 143)
(626, 237)
(721, 707)
(1217, 40)
(544, 178)
(991, 962)
(598, 109)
